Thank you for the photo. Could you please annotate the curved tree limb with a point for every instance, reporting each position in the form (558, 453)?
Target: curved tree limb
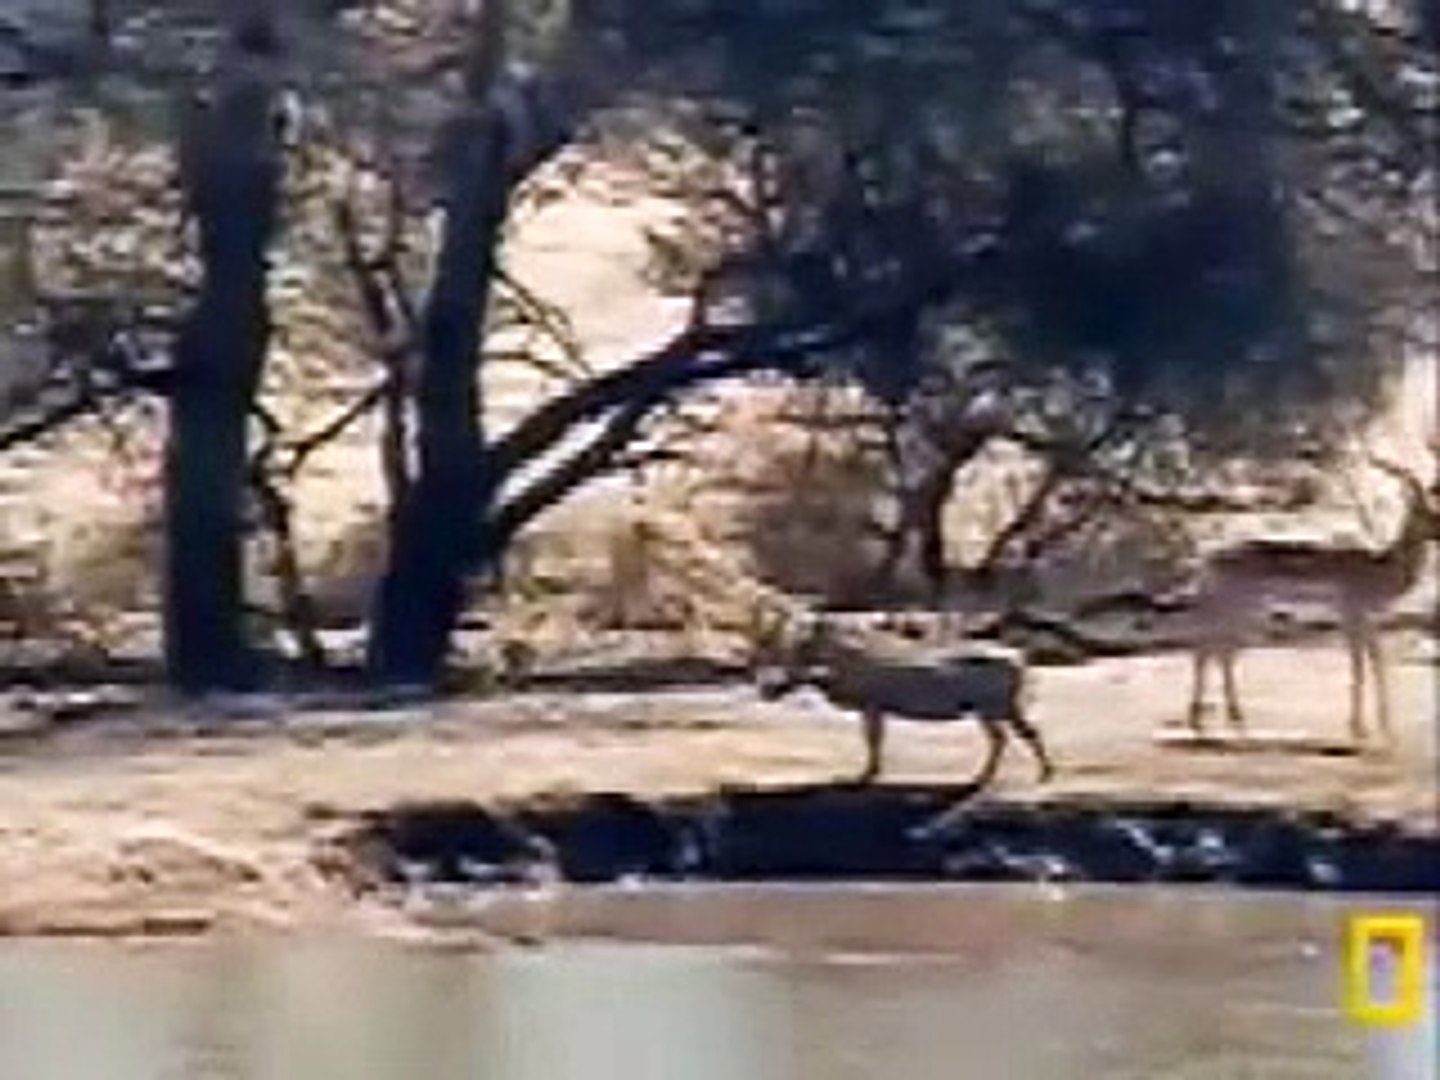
(549, 321)
(586, 464)
(702, 354)
(277, 515)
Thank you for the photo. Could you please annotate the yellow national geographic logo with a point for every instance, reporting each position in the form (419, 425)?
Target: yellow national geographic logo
(1400, 939)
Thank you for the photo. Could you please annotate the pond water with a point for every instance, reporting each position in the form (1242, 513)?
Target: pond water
(735, 983)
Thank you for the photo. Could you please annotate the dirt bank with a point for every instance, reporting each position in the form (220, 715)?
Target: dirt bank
(149, 826)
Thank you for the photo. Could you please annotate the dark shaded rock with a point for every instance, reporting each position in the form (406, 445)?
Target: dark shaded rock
(978, 862)
(887, 833)
(1126, 849)
(608, 836)
(1276, 854)
(1383, 860)
(446, 842)
(822, 833)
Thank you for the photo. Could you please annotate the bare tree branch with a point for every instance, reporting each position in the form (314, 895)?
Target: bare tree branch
(302, 449)
(696, 355)
(588, 463)
(276, 516)
(396, 344)
(551, 322)
(297, 606)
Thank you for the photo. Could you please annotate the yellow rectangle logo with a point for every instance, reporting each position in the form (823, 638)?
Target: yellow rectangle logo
(1403, 938)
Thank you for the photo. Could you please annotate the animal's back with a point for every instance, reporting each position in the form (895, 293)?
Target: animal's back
(939, 690)
(1232, 587)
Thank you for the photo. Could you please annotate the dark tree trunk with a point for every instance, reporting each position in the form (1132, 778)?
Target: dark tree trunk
(930, 524)
(231, 169)
(919, 536)
(451, 524)
(441, 530)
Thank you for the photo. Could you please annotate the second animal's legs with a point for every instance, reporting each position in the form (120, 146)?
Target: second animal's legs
(1355, 645)
(1219, 638)
(1367, 651)
(873, 726)
(1233, 712)
(1376, 654)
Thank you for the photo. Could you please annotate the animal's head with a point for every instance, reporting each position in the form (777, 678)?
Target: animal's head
(785, 652)
(1422, 497)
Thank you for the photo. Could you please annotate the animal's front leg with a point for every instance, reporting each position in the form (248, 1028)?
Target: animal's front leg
(873, 727)
(1200, 662)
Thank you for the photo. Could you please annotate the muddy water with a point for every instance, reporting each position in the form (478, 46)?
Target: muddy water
(745, 984)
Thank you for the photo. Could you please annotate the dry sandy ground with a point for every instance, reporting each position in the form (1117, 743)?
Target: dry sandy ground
(107, 833)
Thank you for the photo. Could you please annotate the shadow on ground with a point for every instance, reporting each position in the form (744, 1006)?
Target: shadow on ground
(1280, 744)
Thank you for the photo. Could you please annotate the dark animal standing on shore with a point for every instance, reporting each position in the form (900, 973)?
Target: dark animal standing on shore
(984, 682)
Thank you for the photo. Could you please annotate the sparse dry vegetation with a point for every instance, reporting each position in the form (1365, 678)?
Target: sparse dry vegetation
(741, 347)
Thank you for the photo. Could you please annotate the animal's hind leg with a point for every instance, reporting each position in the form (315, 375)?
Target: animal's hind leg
(873, 728)
(1376, 652)
(995, 734)
(1030, 736)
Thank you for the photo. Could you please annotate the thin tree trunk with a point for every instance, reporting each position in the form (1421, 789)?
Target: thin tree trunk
(231, 169)
(445, 531)
(297, 606)
(920, 531)
(440, 530)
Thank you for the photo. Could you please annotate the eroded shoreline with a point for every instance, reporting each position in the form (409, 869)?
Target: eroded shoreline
(125, 830)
